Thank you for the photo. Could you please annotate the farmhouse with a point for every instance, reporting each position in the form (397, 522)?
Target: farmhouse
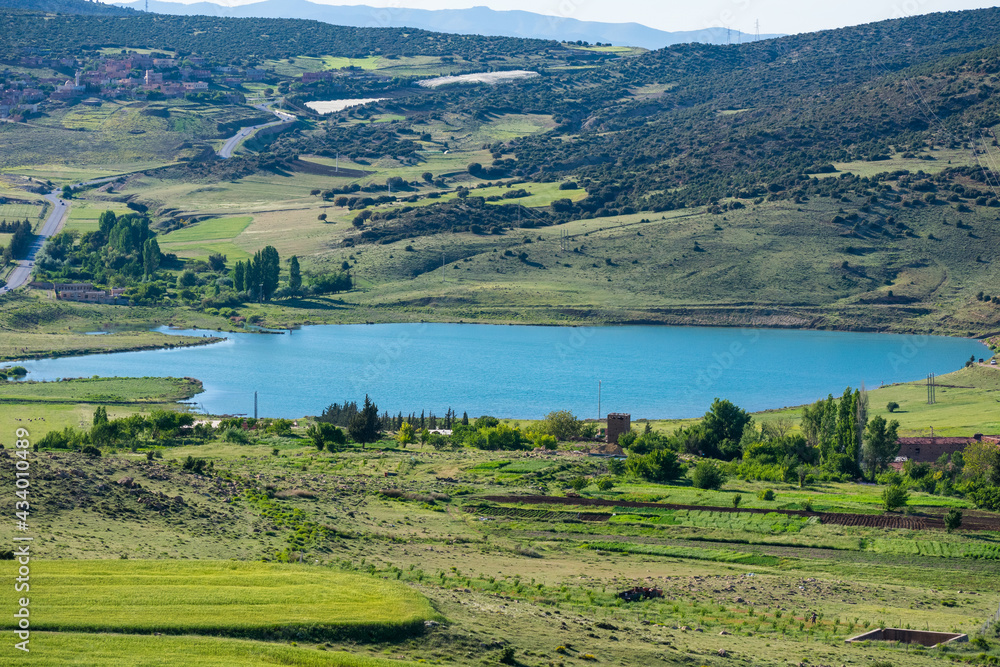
(930, 449)
(86, 292)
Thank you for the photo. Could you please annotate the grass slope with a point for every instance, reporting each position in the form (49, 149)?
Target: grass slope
(101, 390)
(250, 600)
(110, 650)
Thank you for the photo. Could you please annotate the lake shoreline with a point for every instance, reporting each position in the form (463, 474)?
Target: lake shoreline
(654, 371)
(991, 339)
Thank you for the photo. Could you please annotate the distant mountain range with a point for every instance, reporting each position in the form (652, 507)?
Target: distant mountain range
(85, 7)
(474, 21)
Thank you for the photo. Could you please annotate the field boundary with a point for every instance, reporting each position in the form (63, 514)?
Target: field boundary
(913, 522)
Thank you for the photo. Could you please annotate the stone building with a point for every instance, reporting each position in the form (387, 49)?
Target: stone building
(618, 423)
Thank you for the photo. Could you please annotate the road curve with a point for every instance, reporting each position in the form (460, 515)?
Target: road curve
(233, 142)
(21, 275)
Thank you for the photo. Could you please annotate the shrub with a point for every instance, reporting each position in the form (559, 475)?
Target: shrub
(605, 484)
(708, 475)
(953, 520)
(578, 483)
(985, 497)
(236, 435)
(737, 499)
(892, 406)
(90, 450)
(895, 497)
(766, 494)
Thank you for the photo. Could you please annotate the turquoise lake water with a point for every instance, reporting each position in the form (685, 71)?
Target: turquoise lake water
(526, 372)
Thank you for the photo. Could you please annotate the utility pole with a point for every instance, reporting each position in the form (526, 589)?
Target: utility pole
(255, 405)
(598, 400)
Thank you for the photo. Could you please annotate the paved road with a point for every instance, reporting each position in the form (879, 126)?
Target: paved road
(231, 144)
(21, 275)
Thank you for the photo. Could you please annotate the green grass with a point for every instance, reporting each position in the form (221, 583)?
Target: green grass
(83, 215)
(13, 212)
(100, 390)
(114, 650)
(942, 159)
(718, 555)
(248, 600)
(209, 230)
(966, 404)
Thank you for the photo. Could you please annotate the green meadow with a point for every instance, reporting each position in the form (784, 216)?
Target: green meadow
(235, 599)
(55, 649)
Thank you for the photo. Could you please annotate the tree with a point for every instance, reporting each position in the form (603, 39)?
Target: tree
(465, 419)
(953, 520)
(881, 445)
(100, 415)
(366, 426)
(723, 424)
(239, 277)
(150, 257)
(107, 222)
(894, 497)
(325, 435)
(562, 424)
(261, 274)
(294, 275)
(406, 435)
(707, 475)
(860, 405)
(578, 483)
(892, 406)
(605, 484)
(979, 460)
(217, 262)
(737, 499)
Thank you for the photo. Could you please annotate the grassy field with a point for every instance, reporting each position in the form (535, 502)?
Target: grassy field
(83, 215)
(100, 390)
(543, 585)
(116, 650)
(41, 407)
(966, 404)
(250, 600)
(208, 237)
(79, 143)
(21, 211)
(34, 325)
(941, 159)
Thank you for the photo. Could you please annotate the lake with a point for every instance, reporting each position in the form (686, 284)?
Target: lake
(526, 372)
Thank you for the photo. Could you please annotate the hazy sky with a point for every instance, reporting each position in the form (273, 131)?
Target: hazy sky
(775, 16)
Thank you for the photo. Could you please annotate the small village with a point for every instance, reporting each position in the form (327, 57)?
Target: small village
(127, 75)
